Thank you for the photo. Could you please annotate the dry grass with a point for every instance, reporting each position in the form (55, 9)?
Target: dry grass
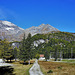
(58, 68)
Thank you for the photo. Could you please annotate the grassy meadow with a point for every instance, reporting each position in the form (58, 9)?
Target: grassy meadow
(20, 68)
(57, 68)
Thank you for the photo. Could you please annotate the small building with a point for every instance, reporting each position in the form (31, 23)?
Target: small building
(42, 57)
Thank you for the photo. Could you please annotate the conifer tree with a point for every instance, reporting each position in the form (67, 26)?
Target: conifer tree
(25, 49)
(7, 51)
(23, 53)
(15, 53)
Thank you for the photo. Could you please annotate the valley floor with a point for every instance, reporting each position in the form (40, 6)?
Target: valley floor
(57, 68)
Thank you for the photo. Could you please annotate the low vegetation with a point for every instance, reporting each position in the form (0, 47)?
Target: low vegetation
(20, 68)
(69, 60)
(57, 68)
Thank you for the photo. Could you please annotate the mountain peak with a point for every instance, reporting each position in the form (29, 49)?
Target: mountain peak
(41, 29)
(42, 24)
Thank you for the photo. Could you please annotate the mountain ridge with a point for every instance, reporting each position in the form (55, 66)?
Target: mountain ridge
(12, 32)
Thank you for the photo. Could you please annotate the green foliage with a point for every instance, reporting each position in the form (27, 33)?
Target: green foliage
(46, 54)
(1, 48)
(59, 67)
(37, 56)
(50, 71)
(6, 51)
(23, 53)
(60, 44)
(26, 48)
(38, 36)
(15, 53)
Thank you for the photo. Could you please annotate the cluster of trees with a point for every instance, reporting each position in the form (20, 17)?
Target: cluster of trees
(57, 48)
(24, 52)
(56, 45)
(7, 51)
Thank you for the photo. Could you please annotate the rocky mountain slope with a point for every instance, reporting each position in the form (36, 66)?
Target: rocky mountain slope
(12, 32)
(41, 29)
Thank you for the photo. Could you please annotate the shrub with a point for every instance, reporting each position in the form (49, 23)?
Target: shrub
(59, 67)
(50, 71)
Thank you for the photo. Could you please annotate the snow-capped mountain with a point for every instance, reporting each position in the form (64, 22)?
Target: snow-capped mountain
(10, 27)
(12, 32)
(9, 30)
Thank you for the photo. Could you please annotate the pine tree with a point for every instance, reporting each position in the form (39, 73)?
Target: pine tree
(23, 53)
(26, 49)
(29, 45)
(15, 53)
(7, 51)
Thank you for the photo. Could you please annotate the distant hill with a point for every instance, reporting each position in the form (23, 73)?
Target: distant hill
(56, 35)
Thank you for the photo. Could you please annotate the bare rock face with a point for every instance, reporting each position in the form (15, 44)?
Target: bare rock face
(12, 32)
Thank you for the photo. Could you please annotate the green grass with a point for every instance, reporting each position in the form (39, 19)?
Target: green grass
(69, 60)
(20, 69)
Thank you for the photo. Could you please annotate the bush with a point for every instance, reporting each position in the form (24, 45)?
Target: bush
(59, 67)
(50, 71)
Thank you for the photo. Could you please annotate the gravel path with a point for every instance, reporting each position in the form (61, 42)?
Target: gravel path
(35, 69)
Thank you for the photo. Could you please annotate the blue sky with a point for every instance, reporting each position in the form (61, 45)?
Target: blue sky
(28, 13)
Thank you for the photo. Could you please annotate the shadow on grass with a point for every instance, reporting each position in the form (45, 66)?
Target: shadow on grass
(9, 61)
(7, 70)
(25, 63)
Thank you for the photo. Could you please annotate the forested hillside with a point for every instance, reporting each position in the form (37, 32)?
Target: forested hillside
(55, 45)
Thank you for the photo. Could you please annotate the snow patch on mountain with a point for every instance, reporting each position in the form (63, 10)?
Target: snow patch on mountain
(9, 28)
(8, 23)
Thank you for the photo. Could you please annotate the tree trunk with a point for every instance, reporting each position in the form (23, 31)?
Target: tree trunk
(29, 62)
(56, 55)
(10, 60)
(15, 59)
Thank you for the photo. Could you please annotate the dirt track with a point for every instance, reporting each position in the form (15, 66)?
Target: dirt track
(35, 69)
